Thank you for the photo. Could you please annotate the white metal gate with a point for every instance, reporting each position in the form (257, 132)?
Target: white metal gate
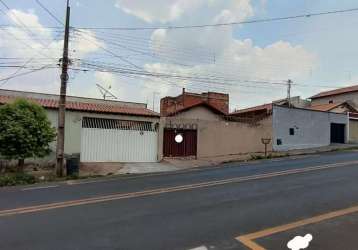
(109, 140)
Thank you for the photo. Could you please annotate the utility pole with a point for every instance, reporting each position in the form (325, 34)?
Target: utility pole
(62, 100)
(289, 83)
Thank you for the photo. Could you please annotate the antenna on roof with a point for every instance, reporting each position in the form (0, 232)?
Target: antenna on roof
(105, 92)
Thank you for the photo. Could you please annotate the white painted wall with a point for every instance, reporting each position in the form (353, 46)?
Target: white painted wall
(312, 128)
(73, 126)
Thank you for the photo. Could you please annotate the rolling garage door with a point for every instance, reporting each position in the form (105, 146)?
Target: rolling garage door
(110, 140)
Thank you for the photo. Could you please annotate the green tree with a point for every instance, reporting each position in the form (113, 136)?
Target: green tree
(25, 131)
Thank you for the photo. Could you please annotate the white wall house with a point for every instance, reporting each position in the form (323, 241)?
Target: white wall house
(100, 130)
(295, 128)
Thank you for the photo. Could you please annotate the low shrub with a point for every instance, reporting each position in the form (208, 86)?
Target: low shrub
(16, 179)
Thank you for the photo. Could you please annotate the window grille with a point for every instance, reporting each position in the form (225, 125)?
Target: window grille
(88, 122)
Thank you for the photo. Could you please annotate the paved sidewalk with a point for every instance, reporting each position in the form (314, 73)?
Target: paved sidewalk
(185, 163)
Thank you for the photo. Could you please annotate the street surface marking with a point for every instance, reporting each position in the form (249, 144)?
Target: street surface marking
(300, 242)
(248, 239)
(200, 248)
(150, 192)
(40, 187)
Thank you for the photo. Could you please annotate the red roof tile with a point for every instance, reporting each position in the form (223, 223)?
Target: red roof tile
(87, 107)
(325, 107)
(330, 106)
(267, 106)
(196, 104)
(336, 92)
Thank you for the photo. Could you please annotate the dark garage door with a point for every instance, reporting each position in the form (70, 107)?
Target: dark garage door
(186, 148)
(338, 133)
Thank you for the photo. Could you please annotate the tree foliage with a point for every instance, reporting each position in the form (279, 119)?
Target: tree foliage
(25, 131)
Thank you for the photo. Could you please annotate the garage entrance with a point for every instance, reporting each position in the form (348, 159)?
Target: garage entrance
(338, 133)
(187, 146)
(112, 140)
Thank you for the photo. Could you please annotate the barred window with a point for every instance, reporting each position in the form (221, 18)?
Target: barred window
(89, 122)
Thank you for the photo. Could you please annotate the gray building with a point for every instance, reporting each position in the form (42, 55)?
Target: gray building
(295, 128)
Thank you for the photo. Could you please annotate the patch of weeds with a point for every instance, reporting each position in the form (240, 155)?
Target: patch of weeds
(257, 157)
(16, 179)
(269, 156)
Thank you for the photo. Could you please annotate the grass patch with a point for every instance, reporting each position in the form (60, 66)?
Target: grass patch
(13, 179)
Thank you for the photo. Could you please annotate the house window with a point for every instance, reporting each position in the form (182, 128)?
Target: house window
(330, 101)
(292, 131)
(279, 142)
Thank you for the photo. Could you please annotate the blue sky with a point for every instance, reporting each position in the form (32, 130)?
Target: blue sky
(316, 51)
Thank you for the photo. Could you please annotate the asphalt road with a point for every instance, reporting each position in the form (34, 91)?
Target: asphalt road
(188, 209)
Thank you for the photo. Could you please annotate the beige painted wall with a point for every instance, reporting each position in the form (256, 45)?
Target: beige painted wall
(226, 138)
(340, 109)
(338, 98)
(220, 138)
(353, 131)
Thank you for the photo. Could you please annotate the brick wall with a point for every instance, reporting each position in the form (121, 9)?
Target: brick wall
(171, 104)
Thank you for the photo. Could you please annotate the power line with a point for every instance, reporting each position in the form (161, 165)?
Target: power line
(25, 73)
(50, 13)
(176, 59)
(17, 72)
(5, 26)
(264, 20)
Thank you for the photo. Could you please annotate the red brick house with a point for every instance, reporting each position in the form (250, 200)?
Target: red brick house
(218, 103)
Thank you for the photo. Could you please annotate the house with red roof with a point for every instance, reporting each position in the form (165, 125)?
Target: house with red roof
(203, 123)
(336, 96)
(342, 100)
(206, 106)
(100, 130)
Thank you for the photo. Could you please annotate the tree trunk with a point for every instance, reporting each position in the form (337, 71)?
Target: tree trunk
(20, 165)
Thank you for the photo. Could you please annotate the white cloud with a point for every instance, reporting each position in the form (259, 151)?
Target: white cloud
(207, 52)
(215, 51)
(171, 10)
(44, 46)
(236, 11)
(159, 10)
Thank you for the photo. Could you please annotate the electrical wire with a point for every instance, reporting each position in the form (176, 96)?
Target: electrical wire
(49, 12)
(264, 20)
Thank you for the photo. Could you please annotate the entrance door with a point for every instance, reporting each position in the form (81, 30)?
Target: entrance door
(338, 133)
(188, 147)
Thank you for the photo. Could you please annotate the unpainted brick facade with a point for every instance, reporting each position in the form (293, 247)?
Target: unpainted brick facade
(171, 105)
